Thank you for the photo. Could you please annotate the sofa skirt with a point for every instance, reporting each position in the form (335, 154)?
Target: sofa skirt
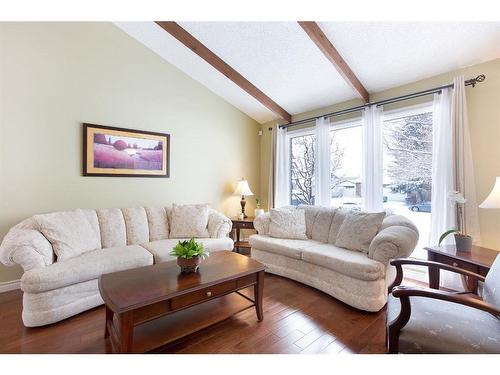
(361, 294)
(54, 305)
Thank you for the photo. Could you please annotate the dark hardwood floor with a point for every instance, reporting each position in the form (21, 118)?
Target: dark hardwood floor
(297, 319)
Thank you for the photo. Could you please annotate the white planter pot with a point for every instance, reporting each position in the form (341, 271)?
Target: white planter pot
(259, 211)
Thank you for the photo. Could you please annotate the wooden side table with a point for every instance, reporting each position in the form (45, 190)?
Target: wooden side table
(478, 260)
(238, 225)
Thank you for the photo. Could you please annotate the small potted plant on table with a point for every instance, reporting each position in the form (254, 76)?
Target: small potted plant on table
(258, 210)
(189, 255)
(463, 242)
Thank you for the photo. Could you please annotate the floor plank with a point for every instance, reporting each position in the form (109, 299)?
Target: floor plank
(297, 319)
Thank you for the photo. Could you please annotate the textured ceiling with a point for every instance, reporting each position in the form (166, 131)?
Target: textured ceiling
(281, 60)
(389, 54)
(277, 57)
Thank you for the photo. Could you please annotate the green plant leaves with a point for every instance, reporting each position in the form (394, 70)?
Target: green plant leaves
(443, 236)
(189, 249)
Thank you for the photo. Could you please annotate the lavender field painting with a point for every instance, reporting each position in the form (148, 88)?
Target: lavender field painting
(119, 152)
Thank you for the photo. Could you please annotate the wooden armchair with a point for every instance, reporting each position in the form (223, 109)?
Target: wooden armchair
(424, 320)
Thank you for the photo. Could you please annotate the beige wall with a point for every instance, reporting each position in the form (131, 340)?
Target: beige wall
(484, 118)
(54, 76)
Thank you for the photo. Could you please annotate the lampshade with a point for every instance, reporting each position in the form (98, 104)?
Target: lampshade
(493, 200)
(242, 188)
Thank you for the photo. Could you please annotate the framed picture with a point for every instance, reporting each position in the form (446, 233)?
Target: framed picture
(110, 151)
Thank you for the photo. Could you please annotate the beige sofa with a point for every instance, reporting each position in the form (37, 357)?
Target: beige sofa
(120, 239)
(359, 279)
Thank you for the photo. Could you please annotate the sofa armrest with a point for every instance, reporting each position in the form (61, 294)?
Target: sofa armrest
(26, 247)
(261, 223)
(219, 225)
(393, 242)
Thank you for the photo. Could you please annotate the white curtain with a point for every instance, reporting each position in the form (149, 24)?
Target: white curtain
(372, 178)
(443, 211)
(468, 218)
(279, 181)
(322, 163)
(272, 167)
(443, 215)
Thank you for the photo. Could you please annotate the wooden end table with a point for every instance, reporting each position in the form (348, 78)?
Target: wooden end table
(478, 260)
(238, 225)
(151, 306)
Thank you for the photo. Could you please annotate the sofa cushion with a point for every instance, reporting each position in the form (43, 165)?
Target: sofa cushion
(158, 223)
(286, 247)
(112, 226)
(161, 249)
(88, 266)
(189, 220)
(322, 222)
(136, 225)
(71, 233)
(347, 262)
(358, 229)
(287, 223)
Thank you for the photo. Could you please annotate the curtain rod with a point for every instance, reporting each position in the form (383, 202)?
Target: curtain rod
(470, 82)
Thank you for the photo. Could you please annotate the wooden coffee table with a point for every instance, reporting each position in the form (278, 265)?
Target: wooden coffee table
(150, 306)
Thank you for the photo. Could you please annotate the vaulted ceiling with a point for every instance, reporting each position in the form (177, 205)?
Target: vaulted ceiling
(286, 64)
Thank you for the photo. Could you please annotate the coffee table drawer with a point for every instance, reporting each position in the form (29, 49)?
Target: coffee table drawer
(202, 295)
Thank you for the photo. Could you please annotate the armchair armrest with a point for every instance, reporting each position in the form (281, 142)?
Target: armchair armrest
(398, 263)
(404, 293)
(460, 298)
(261, 223)
(219, 225)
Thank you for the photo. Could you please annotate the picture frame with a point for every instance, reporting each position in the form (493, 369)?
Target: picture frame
(119, 152)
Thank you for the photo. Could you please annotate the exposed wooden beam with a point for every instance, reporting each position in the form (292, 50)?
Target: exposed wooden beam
(197, 47)
(319, 38)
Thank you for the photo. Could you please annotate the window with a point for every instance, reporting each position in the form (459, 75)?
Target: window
(407, 179)
(407, 167)
(345, 163)
(302, 167)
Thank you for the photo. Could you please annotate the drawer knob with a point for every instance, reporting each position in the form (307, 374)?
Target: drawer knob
(455, 264)
(209, 294)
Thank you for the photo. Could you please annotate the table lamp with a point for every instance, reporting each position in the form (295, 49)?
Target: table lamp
(243, 189)
(493, 199)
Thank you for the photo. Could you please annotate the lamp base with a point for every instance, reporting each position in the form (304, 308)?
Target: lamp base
(243, 202)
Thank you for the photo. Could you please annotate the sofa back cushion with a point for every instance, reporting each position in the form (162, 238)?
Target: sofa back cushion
(288, 223)
(358, 230)
(112, 226)
(189, 220)
(310, 216)
(158, 223)
(136, 225)
(71, 233)
(322, 223)
(338, 219)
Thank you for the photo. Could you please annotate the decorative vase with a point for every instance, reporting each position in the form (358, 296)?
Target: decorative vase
(189, 265)
(463, 243)
(259, 211)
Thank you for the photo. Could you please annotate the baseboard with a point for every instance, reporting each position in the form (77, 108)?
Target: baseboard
(7, 286)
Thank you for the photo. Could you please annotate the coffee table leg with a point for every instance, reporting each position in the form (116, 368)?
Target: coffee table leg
(109, 321)
(126, 331)
(258, 292)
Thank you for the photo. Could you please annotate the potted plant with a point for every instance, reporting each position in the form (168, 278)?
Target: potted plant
(189, 255)
(258, 210)
(463, 242)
